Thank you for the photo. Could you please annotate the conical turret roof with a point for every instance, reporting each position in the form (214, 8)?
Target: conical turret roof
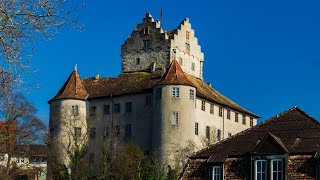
(175, 76)
(73, 88)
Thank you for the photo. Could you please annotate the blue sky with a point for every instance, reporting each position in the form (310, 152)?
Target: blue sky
(264, 55)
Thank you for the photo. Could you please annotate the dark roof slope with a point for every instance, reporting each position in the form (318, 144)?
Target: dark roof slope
(73, 88)
(137, 82)
(294, 130)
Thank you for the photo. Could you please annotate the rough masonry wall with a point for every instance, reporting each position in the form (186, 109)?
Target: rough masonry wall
(301, 167)
(156, 53)
(236, 168)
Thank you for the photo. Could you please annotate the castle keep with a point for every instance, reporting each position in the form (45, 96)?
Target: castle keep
(159, 101)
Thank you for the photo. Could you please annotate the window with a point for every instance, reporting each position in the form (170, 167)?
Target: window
(128, 107)
(148, 100)
(192, 66)
(276, 169)
(105, 132)
(75, 110)
(1, 157)
(77, 132)
(216, 173)
(180, 61)
(236, 117)
(116, 108)
(146, 43)
(22, 160)
(187, 48)
(17, 160)
(203, 105)
(208, 132)
(251, 121)
(219, 135)
(175, 118)
(106, 109)
(92, 111)
(191, 94)
(91, 158)
(158, 93)
(211, 109)
(228, 114)
(128, 130)
(117, 130)
(220, 111)
(196, 129)
(244, 119)
(175, 92)
(187, 35)
(146, 31)
(92, 132)
(260, 170)
(229, 134)
(138, 61)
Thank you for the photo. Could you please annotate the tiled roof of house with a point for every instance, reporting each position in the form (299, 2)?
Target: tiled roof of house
(293, 130)
(137, 82)
(73, 88)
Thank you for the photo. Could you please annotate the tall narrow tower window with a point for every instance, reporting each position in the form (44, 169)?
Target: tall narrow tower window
(146, 31)
(211, 109)
(187, 35)
(228, 114)
(75, 110)
(138, 61)
(193, 66)
(175, 118)
(244, 119)
(187, 48)
(196, 129)
(175, 92)
(191, 94)
(203, 105)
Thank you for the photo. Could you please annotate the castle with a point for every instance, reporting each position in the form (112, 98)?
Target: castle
(159, 101)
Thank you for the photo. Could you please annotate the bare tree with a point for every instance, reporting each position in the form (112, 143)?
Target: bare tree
(19, 125)
(23, 21)
(210, 138)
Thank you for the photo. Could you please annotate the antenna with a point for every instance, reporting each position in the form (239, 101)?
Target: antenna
(161, 17)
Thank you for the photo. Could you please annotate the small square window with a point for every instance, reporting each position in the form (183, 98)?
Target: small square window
(75, 110)
(128, 107)
(180, 61)
(138, 61)
(77, 132)
(191, 94)
(146, 43)
(208, 132)
(203, 105)
(91, 158)
(196, 129)
(106, 109)
(228, 114)
(192, 66)
(251, 121)
(187, 48)
(187, 35)
(128, 130)
(92, 132)
(158, 93)
(236, 117)
(175, 92)
(148, 100)
(175, 118)
(244, 119)
(92, 111)
(211, 109)
(220, 111)
(116, 108)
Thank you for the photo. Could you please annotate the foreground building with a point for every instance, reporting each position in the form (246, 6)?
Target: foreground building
(286, 146)
(159, 101)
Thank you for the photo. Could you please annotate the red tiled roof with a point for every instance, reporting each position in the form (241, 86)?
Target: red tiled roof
(73, 88)
(174, 76)
(284, 128)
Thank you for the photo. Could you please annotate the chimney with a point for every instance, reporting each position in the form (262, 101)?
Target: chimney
(97, 77)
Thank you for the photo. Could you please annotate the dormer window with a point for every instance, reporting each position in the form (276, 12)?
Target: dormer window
(146, 43)
(146, 31)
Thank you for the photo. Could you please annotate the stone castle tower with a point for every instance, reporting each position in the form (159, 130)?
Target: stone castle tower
(159, 101)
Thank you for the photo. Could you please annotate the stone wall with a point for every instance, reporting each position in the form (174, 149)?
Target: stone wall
(301, 167)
